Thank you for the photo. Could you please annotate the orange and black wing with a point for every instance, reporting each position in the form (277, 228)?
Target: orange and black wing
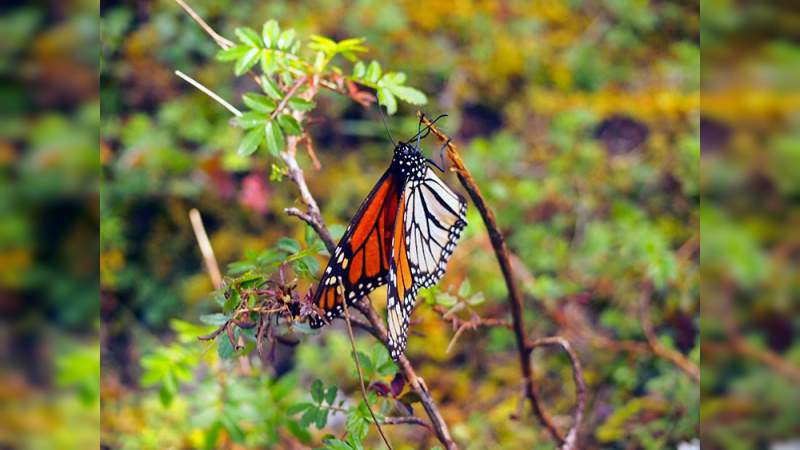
(360, 262)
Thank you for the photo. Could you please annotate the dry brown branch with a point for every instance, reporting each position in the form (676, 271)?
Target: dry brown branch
(683, 363)
(571, 439)
(205, 248)
(502, 254)
(410, 420)
(221, 41)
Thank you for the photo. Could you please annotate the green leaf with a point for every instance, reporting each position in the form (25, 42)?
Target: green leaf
(336, 444)
(309, 416)
(290, 125)
(251, 141)
(232, 427)
(464, 289)
(214, 319)
(373, 72)
(359, 70)
(289, 245)
(387, 99)
(270, 87)
(309, 265)
(249, 120)
(366, 363)
(246, 62)
(298, 408)
(224, 348)
(317, 393)
(269, 62)
(446, 299)
(476, 299)
(408, 94)
(286, 39)
(322, 418)
(258, 102)
(301, 104)
(233, 53)
(299, 431)
(274, 137)
(270, 32)
(330, 395)
(323, 44)
(248, 36)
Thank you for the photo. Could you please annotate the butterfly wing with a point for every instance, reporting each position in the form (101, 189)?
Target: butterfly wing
(360, 262)
(429, 221)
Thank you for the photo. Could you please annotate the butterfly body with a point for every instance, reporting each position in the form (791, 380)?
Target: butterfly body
(402, 235)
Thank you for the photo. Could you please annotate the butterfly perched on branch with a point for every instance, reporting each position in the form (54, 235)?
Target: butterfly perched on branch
(402, 235)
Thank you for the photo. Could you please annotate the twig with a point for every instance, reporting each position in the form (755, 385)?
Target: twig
(411, 420)
(209, 93)
(288, 96)
(501, 252)
(221, 41)
(570, 441)
(205, 247)
(361, 376)
(656, 346)
(216, 279)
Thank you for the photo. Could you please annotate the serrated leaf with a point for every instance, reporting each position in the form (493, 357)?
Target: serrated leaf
(233, 53)
(336, 444)
(317, 393)
(224, 347)
(246, 62)
(288, 245)
(258, 102)
(396, 78)
(301, 104)
(270, 32)
(387, 100)
(250, 142)
(476, 299)
(359, 70)
(309, 416)
(290, 125)
(299, 432)
(446, 299)
(274, 137)
(248, 36)
(269, 62)
(464, 289)
(249, 120)
(366, 363)
(408, 94)
(286, 39)
(373, 72)
(321, 418)
(298, 408)
(216, 319)
(330, 395)
(270, 87)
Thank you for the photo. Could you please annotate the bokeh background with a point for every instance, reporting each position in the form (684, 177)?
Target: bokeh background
(582, 123)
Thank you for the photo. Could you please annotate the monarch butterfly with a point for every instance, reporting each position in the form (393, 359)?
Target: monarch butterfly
(403, 233)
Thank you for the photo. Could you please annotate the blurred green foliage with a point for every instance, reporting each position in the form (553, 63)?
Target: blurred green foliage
(580, 122)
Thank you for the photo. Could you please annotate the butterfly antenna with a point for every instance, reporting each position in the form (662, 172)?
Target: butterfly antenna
(427, 128)
(383, 119)
(419, 127)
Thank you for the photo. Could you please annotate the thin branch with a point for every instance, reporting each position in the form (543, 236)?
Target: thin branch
(683, 363)
(502, 254)
(221, 41)
(361, 376)
(205, 247)
(571, 439)
(409, 420)
(288, 96)
(209, 92)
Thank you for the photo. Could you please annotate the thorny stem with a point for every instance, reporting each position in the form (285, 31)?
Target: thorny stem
(361, 376)
(314, 218)
(515, 297)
